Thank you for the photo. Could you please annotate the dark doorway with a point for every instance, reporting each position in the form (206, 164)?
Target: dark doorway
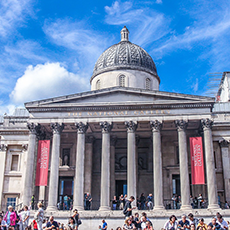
(65, 188)
(121, 187)
(176, 184)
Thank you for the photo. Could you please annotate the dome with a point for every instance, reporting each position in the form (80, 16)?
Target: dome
(124, 55)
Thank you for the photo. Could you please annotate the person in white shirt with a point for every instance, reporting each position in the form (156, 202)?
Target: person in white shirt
(222, 222)
(25, 215)
(171, 224)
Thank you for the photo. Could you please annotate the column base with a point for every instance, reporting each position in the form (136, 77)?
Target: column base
(104, 208)
(186, 207)
(51, 209)
(213, 206)
(159, 208)
(79, 208)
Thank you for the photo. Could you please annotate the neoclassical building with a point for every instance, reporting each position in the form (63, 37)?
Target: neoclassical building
(123, 137)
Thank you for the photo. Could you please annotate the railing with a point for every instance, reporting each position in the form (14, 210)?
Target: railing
(95, 205)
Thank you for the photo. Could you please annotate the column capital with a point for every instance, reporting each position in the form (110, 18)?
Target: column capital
(3, 147)
(156, 125)
(206, 123)
(89, 139)
(113, 140)
(81, 127)
(33, 128)
(224, 143)
(57, 128)
(131, 126)
(106, 126)
(181, 125)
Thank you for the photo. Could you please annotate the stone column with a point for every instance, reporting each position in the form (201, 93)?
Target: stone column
(105, 166)
(113, 141)
(157, 162)
(131, 159)
(54, 168)
(224, 144)
(3, 151)
(78, 196)
(28, 182)
(88, 164)
(210, 165)
(183, 155)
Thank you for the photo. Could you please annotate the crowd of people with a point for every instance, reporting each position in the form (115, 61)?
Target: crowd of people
(143, 203)
(21, 220)
(185, 223)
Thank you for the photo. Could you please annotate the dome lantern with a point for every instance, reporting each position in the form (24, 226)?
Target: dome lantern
(124, 34)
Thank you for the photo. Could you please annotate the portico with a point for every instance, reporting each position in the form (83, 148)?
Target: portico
(153, 124)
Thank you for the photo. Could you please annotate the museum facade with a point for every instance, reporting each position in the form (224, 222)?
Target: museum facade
(122, 137)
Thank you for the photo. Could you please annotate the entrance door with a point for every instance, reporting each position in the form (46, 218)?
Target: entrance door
(65, 189)
(176, 184)
(121, 187)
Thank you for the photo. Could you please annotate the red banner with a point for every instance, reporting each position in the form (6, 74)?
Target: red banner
(42, 163)
(197, 161)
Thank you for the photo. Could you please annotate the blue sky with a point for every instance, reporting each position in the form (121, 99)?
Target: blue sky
(49, 48)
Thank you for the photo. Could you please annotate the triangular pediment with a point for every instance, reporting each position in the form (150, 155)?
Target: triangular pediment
(119, 96)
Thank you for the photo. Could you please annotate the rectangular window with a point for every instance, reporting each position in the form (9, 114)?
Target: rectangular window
(14, 163)
(11, 201)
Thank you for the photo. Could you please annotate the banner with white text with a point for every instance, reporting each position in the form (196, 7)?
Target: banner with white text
(197, 161)
(42, 163)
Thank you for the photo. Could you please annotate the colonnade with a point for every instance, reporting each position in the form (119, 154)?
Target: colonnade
(131, 126)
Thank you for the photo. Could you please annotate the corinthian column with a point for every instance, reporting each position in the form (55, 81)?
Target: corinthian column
(78, 196)
(226, 167)
(210, 165)
(183, 155)
(105, 166)
(54, 168)
(3, 151)
(88, 164)
(157, 162)
(131, 159)
(113, 141)
(28, 182)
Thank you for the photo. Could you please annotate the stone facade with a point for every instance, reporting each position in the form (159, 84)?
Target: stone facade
(116, 140)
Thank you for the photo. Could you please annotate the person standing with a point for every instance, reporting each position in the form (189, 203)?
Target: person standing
(39, 215)
(10, 218)
(76, 217)
(25, 215)
(88, 201)
(128, 207)
(32, 202)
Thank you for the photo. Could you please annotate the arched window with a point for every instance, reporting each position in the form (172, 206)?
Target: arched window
(122, 80)
(147, 83)
(98, 84)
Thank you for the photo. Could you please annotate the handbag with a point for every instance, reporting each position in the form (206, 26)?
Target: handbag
(79, 222)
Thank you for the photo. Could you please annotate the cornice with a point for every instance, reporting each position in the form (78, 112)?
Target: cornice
(57, 108)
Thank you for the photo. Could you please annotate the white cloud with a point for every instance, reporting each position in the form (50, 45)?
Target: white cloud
(45, 81)
(76, 36)
(13, 13)
(145, 26)
(159, 2)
